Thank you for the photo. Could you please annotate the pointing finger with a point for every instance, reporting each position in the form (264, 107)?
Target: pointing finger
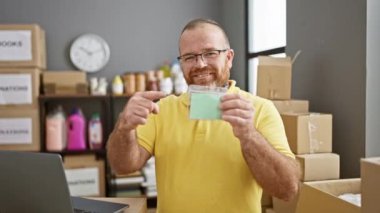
(152, 95)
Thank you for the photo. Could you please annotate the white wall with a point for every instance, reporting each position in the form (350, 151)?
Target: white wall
(373, 79)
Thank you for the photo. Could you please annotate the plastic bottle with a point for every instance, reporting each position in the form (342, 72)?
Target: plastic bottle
(76, 130)
(93, 85)
(95, 132)
(102, 87)
(140, 82)
(56, 130)
(117, 85)
(129, 84)
(151, 80)
(166, 69)
(166, 86)
(175, 69)
(180, 85)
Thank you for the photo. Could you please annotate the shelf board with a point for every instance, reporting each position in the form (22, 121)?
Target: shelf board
(50, 97)
(79, 152)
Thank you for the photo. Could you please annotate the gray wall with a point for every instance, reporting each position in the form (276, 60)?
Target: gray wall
(233, 17)
(373, 79)
(142, 34)
(331, 71)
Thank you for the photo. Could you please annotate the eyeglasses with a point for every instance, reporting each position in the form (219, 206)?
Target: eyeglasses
(206, 56)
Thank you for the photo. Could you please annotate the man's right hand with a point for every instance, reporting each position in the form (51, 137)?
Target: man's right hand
(138, 107)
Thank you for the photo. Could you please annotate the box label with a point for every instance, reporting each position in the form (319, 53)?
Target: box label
(15, 45)
(15, 89)
(83, 181)
(15, 131)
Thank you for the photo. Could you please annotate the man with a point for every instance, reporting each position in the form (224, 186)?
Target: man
(206, 165)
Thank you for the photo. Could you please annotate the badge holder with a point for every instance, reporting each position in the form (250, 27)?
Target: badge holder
(205, 101)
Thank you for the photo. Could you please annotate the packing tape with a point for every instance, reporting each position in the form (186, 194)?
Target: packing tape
(314, 143)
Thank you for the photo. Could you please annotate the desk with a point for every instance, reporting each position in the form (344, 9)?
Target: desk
(136, 204)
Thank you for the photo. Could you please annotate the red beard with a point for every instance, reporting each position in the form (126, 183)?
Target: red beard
(208, 76)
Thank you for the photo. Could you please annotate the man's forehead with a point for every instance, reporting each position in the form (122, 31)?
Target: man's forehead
(204, 33)
(201, 37)
(204, 27)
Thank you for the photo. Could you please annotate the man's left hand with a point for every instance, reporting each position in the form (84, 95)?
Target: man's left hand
(239, 112)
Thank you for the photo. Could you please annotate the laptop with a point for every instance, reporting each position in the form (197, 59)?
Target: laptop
(36, 182)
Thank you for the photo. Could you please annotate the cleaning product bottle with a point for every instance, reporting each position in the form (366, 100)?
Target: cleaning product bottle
(166, 69)
(56, 130)
(166, 85)
(180, 85)
(76, 130)
(95, 132)
(117, 85)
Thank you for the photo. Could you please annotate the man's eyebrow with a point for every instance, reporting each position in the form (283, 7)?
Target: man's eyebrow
(203, 50)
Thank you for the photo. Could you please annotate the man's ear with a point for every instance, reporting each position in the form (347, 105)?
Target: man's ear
(230, 57)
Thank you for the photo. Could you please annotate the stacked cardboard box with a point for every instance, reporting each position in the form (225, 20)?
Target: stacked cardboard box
(22, 58)
(64, 82)
(85, 175)
(370, 188)
(324, 196)
(127, 185)
(361, 195)
(309, 134)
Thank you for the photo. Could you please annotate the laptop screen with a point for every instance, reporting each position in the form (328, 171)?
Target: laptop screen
(33, 182)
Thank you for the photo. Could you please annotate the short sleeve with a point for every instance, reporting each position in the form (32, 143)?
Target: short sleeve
(146, 134)
(270, 125)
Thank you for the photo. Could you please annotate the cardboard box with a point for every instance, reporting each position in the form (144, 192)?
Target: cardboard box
(322, 196)
(266, 199)
(64, 83)
(321, 166)
(370, 174)
(274, 77)
(298, 106)
(20, 130)
(85, 175)
(22, 45)
(281, 206)
(19, 88)
(308, 132)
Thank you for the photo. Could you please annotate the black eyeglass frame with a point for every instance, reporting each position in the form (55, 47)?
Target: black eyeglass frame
(200, 54)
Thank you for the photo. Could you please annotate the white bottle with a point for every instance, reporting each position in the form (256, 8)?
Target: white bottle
(93, 85)
(180, 85)
(166, 85)
(56, 139)
(102, 87)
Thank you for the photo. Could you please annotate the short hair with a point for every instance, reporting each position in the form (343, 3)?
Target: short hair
(200, 21)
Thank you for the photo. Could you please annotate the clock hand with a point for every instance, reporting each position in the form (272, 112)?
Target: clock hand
(97, 50)
(85, 50)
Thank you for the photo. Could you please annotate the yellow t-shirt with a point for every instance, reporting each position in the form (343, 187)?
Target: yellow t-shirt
(199, 163)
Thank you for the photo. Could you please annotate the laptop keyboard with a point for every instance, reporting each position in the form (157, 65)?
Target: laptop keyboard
(82, 211)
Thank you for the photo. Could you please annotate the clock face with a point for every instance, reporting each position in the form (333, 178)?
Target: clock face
(89, 52)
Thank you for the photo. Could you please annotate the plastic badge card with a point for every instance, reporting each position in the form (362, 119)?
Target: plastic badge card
(204, 102)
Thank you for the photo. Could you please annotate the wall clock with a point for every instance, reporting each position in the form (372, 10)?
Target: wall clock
(89, 52)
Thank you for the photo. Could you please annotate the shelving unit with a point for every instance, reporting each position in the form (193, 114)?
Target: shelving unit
(108, 106)
(89, 105)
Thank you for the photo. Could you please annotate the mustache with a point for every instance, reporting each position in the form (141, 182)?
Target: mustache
(202, 70)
